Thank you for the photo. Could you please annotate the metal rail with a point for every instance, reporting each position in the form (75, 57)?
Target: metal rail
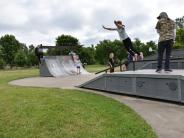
(134, 62)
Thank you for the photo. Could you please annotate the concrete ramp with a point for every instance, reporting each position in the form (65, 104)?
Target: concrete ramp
(57, 66)
(144, 83)
(53, 67)
(68, 64)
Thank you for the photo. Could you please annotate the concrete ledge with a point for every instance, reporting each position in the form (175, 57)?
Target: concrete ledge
(145, 83)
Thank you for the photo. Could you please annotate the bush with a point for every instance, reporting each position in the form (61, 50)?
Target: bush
(32, 59)
(2, 63)
(20, 59)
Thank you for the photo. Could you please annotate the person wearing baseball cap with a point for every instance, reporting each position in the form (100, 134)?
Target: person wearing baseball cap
(125, 38)
(166, 28)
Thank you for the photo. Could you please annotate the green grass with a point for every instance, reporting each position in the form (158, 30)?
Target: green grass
(95, 68)
(57, 113)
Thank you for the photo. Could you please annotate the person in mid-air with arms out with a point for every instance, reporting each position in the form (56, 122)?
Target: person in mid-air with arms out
(126, 39)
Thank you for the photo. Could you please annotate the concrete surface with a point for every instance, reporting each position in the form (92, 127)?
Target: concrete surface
(167, 119)
(68, 82)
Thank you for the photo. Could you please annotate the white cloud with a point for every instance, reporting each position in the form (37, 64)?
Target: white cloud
(41, 21)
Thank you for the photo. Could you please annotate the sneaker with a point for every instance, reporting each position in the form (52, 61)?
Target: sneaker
(158, 70)
(168, 70)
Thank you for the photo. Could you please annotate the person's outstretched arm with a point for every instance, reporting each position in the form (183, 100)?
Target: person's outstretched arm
(111, 29)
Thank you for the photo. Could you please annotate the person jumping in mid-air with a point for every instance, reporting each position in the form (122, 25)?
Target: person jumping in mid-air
(126, 40)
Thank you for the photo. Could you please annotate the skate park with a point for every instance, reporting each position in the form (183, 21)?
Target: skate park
(91, 69)
(140, 88)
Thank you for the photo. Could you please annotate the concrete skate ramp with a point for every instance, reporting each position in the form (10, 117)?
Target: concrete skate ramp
(68, 64)
(144, 83)
(54, 67)
(58, 66)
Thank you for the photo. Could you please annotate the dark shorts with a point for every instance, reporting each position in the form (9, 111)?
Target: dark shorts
(78, 67)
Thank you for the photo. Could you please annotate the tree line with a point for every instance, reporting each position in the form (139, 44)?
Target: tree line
(14, 53)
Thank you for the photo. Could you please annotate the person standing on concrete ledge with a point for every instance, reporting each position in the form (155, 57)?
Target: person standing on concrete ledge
(39, 53)
(166, 28)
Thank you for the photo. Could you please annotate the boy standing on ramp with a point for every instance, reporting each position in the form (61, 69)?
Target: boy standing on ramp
(39, 53)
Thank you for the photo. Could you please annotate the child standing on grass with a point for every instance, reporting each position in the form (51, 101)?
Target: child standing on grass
(125, 38)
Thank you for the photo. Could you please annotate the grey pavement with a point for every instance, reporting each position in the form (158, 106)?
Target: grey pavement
(167, 119)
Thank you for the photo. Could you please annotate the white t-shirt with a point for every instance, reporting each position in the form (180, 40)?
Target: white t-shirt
(122, 33)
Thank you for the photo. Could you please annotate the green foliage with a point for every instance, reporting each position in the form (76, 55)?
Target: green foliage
(142, 47)
(66, 40)
(31, 59)
(87, 55)
(179, 39)
(104, 48)
(9, 47)
(179, 33)
(20, 58)
(54, 51)
(2, 63)
(180, 22)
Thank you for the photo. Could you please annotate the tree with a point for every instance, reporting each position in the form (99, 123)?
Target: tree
(9, 46)
(179, 38)
(148, 45)
(142, 47)
(1, 59)
(2, 64)
(31, 57)
(20, 58)
(87, 55)
(104, 48)
(180, 22)
(179, 33)
(64, 40)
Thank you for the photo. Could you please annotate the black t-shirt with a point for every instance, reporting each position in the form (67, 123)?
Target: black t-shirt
(111, 62)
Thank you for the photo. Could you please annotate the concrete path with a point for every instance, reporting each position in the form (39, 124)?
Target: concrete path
(166, 119)
(68, 82)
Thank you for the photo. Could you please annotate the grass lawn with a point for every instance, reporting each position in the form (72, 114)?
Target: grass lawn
(95, 68)
(57, 113)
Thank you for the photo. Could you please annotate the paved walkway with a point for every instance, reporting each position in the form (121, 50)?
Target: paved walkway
(166, 119)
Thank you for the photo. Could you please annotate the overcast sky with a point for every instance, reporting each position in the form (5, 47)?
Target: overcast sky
(41, 21)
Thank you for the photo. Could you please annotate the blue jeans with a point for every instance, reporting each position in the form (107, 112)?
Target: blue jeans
(162, 46)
